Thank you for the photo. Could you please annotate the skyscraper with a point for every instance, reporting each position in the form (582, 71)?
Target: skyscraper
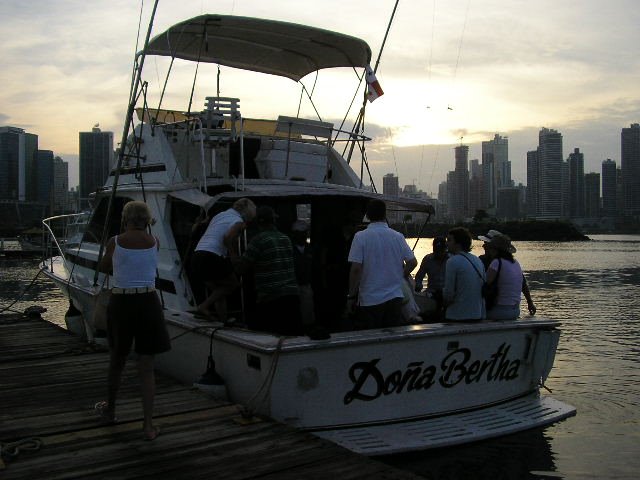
(592, 195)
(533, 178)
(609, 188)
(476, 188)
(17, 157)
(96, 158)
(630, 164)
(459, 194)
(576, 184)
(546, 176)
(30, 188)
(496, 166)
(61, 186)
(44, 178)
(391, 187)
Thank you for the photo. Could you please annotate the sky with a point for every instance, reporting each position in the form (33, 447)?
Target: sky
(453, 71)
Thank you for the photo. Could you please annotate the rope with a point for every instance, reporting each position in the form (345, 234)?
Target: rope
(250, 408)
(191, 330)
(11, 450)
(4, 309)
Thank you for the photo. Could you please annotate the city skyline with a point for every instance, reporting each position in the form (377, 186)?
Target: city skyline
(455, 72)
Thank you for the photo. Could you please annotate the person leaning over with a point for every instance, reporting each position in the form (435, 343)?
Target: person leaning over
(463, 279)
(210, 262)
(134, 311)
(270, 253)
(510, 280)
(380, 261)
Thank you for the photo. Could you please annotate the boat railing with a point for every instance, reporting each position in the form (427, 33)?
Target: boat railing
(56, 233)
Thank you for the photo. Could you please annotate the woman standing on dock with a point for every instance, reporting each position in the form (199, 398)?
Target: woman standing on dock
(134, 311)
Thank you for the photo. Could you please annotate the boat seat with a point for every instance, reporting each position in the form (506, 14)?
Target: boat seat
(219, 120)
(303, 126)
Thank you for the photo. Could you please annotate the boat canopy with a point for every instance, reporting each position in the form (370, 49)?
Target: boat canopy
(267, 46)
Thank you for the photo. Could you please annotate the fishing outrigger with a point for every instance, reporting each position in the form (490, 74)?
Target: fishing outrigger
(374, 391)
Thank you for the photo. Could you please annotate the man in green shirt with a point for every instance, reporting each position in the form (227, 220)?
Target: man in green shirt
(270, 254)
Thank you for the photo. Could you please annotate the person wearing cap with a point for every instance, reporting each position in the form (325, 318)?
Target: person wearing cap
(463, 279)
(303, 263)
(486, 257)
(433, 266)
(210, 262)
(270, 255)
(506, 271)
(381, 260)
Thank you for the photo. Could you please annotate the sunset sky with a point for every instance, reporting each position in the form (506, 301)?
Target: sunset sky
(450, 69)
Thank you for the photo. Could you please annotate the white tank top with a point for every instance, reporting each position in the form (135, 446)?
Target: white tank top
(213, 238)
(134, 267)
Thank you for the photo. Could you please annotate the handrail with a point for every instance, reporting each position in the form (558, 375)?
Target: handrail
(52, 235)
(198, 122)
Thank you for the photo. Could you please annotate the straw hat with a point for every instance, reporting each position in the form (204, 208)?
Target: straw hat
(502, 243)
(490, 234)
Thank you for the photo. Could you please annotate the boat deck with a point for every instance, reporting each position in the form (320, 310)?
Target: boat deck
(50, 380)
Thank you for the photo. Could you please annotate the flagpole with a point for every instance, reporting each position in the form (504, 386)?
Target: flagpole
(360, 119)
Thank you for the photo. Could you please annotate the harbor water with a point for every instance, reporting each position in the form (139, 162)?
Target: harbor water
(592, 288)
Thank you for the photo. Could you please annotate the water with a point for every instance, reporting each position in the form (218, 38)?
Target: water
(592, 287)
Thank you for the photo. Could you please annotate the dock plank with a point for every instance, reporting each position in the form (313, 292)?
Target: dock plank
(50, 380)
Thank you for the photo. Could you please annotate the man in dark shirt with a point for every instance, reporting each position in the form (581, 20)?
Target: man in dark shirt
(433, 266)
(270, 253)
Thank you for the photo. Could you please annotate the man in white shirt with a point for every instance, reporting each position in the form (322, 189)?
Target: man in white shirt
(380, 261)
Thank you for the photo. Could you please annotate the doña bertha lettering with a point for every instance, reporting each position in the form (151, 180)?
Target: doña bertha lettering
(369, 382)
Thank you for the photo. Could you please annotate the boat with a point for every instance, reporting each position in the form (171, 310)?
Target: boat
(376, 391)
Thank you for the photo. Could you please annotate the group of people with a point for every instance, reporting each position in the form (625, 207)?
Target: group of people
(218, 263)
(380, 261)
(458, 280)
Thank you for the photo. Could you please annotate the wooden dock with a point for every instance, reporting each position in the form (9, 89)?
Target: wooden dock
(50, 380)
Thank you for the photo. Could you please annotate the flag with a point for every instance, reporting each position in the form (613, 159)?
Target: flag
(373, 87)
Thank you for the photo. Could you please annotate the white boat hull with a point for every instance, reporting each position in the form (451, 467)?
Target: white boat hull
(408, 388)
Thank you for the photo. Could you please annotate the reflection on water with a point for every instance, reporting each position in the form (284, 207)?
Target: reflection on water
(592, 288)
(526, 455)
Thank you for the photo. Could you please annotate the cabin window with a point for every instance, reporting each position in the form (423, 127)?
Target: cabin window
(95, 229)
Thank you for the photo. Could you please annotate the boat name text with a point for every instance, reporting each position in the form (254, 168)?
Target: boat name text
(457, 367)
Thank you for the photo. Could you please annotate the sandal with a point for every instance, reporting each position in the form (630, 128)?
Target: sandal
(102, 410)
(152, 434)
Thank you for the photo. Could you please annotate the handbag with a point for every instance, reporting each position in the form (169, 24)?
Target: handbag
(489, 290)
(100, 306)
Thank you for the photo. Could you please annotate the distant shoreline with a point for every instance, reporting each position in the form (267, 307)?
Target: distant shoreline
(528, 230)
